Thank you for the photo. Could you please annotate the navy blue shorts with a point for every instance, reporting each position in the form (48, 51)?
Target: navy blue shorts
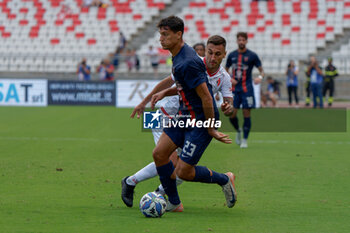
(246, 99)
(193, 142)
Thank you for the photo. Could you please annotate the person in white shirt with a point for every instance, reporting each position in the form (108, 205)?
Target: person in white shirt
(154, 58)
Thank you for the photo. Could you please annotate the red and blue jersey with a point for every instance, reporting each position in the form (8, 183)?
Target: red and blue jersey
(242, 65)
(189, 72)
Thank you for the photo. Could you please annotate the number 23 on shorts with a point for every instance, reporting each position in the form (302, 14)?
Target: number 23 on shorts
(189, 148)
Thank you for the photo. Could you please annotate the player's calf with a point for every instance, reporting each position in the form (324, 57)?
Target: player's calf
(185, 171)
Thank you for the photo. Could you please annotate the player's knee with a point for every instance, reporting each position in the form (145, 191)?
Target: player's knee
(234, 114)
(246, 113)
(157, 155)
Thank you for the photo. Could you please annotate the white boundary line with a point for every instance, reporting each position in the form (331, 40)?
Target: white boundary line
(132, 140)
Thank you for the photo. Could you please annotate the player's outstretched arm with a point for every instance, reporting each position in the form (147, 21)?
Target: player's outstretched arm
(140, 108)
(208, 109)
(160, 95)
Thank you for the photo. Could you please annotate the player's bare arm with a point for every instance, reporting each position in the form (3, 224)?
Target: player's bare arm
(262, 74)
(233, 81)
(227, 106)
(160, 95)
(162, 85)
(208, 109)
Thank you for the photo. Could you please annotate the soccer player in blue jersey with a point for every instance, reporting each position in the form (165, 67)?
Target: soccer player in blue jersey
(196, 102)
(220, 82)
(242, 62)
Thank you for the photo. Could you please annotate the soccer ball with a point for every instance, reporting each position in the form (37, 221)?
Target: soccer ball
(152, 205)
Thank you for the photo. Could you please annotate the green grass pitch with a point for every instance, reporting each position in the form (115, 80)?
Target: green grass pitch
(60, 171)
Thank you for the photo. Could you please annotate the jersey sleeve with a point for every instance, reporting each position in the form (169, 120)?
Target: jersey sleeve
(257, 62)
(226, 88)
(194, 74)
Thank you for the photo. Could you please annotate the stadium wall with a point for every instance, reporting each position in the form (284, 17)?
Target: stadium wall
(124, 92)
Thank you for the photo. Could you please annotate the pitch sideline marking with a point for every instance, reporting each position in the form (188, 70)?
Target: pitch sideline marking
(123, 140)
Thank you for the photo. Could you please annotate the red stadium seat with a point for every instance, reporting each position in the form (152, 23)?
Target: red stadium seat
(84, 10)
(216, 10)
(6, 34)
(296, 29)
(11, 16)
(297, 7)
(204, 35)
(329, 29)
(276, 35)
(286, 42)
(321, 35)
(234, 22)
(313, 15)
(226, 29)
(189, 16)
(261, 29)
(91, 41)
(70, 28)
(79, 35)
(113, 26)
(321, 22)
(346, 16)
(268, 22)
(23, 22)
(286, 19)
(331, 10)
(224, 16)
(23, 10)
(33, 34)
(137, 17)
(55, 41)
(101, 14)
(271, 7)
(197, 4)
(58, 22)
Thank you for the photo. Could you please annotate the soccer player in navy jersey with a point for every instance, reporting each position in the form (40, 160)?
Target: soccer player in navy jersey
(220, 81)
(196, 102)
(242, 62)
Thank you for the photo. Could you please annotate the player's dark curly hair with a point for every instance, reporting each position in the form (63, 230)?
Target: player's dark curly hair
(198, 44)
(174, 23)
(217, 40)
(242, 34)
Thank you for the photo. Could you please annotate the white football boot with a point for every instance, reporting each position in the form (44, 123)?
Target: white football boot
(244, 143)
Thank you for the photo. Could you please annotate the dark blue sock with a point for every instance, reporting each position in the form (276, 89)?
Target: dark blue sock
(204, 175)
(234, 122)
(247, 124)
(169, 184)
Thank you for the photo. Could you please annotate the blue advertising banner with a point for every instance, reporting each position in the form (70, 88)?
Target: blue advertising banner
(81, 93)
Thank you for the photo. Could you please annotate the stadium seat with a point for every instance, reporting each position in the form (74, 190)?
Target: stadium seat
(47, 23)
(284, 23)
(52, 28)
